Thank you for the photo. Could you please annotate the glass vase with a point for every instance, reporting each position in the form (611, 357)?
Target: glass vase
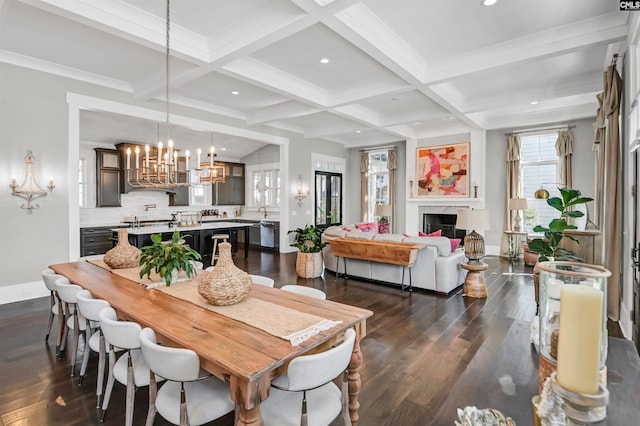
(553, 277)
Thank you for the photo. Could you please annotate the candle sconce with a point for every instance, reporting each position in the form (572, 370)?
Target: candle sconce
(30, 190)
(302, 192)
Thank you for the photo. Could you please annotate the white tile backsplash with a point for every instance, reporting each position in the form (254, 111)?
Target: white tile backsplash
(133, 205)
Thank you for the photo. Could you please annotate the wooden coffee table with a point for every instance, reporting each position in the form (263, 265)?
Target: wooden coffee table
(474, 283)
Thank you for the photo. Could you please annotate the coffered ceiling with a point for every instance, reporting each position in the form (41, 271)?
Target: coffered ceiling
(397, 68)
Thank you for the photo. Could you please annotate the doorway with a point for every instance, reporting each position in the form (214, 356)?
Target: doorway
(328, 200)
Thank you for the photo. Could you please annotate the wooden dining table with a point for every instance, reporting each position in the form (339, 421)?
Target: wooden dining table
(244, 356)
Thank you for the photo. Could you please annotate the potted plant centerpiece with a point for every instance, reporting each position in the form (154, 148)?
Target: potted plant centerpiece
(308, 241)
(168, 258)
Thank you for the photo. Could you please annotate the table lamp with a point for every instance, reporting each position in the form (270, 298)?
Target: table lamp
(383, 213)
(473, 242)
(517, 204)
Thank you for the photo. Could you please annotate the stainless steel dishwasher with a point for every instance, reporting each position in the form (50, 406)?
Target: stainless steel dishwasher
(268, 234)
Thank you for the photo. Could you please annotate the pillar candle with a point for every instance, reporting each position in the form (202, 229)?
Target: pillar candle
(128, 158)
(199, 152)
(581, 309)
(186, 154)
(170, 150)
(146, 152)
(211, 160)
(137, 157)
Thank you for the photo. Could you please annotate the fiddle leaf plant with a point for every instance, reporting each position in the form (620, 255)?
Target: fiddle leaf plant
(307, 239)
(163, 257)
(549, 246)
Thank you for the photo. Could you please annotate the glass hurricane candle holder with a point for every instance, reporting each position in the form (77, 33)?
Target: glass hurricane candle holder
(553, 277)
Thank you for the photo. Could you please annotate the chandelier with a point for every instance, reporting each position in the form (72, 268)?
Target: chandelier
(165, 168)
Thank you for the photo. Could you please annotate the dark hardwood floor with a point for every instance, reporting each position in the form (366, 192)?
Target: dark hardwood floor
(424, 354)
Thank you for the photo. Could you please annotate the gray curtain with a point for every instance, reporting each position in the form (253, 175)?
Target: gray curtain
(392, 165)
(564, 151)
(512, 189)
(364, 186)
(608, 184)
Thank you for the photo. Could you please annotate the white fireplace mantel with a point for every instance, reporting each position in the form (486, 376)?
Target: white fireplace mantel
(414, 205)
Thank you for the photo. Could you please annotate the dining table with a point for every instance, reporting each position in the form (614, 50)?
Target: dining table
(246, 357)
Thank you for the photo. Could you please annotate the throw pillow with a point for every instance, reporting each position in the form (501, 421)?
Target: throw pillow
(437, 233)
(367, 227)
(455, 242)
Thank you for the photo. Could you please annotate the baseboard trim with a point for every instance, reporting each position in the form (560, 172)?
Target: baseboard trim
(25, 291)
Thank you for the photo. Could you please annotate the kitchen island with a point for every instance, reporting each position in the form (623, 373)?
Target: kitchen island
(198, 237)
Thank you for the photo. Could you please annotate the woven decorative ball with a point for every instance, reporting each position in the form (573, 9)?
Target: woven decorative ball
(226, 284)
(123, 255)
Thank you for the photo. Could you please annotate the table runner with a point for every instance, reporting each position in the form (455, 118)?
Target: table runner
(133, 274)
(279, 321)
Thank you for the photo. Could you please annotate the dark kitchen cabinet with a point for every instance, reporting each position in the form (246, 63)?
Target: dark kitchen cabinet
(231, 192)
(107, 178)
(96, 240)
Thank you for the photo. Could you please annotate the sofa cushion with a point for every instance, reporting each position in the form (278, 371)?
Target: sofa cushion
(389, 237)
(437, 233)
(442, 244)
(334, 231)
(361, 235)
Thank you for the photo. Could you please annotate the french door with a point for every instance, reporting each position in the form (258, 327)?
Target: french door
(328, 204)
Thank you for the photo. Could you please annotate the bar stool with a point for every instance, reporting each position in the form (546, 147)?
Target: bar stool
(217, 238)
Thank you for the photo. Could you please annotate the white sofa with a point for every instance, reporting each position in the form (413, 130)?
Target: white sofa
(437, 268)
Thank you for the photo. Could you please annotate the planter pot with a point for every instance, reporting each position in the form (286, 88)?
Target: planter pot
(309, 265)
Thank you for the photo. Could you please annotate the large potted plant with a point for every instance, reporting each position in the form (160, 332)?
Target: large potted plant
(308, 241)
(168, 258)
(548, 247)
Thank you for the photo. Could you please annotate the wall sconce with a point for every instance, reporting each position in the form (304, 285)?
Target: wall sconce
(29, 190)
(303, 191)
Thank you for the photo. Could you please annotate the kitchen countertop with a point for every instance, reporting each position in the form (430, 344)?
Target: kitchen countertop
(161, 229)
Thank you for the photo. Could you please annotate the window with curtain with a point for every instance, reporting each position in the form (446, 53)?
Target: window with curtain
(538, 169)
(378, 181)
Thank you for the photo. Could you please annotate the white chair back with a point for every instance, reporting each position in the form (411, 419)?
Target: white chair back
(177, 364)
(307, 291)
(67, 291)
(90, 307)
(311, 371)
(265, 281)
(123, 334)
(49, 277)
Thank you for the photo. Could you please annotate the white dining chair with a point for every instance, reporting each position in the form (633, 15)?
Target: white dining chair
(307, 393)
(130, 369)
(90, 308)
(74, 320)
(49, 278)
(307, 291)
(187, 397)
(262, 280)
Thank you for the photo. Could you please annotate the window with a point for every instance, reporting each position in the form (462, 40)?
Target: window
(82, 182)
(378, 181)
(265, 185)
(538, 169)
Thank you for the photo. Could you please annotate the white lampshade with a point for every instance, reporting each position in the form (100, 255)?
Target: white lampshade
(473, 219)
(383, 210)
(518, 204)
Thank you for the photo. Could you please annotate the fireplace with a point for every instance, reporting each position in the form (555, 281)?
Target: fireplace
(431, 222)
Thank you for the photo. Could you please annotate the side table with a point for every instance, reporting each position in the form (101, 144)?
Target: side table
(515, 243)
(474, 283)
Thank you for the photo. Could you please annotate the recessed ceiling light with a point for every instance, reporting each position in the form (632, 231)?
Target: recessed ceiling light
(449, 117)
(489, 2)
(358, 131)
(394, 99)
(534, 102)
(324, 61)
(235, 92)
(224, 149)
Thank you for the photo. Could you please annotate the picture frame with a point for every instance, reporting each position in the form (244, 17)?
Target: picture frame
(443, 170)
